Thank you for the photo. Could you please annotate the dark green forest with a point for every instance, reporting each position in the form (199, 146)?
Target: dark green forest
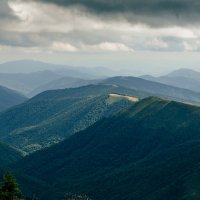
(55, 115)
(146, 150)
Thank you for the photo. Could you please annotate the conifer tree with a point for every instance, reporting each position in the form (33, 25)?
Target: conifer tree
(9, 189)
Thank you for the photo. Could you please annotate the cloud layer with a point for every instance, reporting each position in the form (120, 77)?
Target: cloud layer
(41, 26)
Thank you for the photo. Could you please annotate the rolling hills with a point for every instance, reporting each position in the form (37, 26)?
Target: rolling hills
(53, 116)
(148, 151)
(9, 98)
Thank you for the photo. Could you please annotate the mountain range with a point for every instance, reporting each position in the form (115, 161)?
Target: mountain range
(26, 76)
(118, 137)
(182, 85)
(152, 87)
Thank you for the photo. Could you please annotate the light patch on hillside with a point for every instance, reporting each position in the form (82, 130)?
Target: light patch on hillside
(113, 85)
(117, 97)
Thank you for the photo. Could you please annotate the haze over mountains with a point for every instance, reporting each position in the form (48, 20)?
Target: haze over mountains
(30, 66)
(31, 84)
(29, 77)
(25, 83)
(109, 137)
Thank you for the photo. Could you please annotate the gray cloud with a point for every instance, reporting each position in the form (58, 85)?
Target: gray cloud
(152, 12)
(102, 32)
(28, 39)
(5, 12)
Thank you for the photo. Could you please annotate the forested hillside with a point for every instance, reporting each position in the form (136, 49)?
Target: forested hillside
(55, 115)
(149, 151)
(8, 155)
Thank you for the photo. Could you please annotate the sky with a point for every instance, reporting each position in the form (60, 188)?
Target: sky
(153, 36)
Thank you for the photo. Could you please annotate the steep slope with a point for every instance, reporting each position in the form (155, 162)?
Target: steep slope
(149, 151)
(54, 115)
(183, 78)
(62, 83)
(156, 89)
(9, 98)
(8, 155)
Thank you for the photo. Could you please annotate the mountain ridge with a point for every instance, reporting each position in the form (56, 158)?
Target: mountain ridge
(52, 116)
(143, 152)
(155, 88)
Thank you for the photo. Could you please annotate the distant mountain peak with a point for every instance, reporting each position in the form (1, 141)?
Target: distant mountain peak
(185, 72)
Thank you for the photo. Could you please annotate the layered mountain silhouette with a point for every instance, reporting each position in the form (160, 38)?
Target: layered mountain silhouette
(27, 75)
(25, 83)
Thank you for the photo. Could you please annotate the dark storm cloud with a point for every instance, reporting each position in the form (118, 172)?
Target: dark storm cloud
(153, 12)
(149, 6)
